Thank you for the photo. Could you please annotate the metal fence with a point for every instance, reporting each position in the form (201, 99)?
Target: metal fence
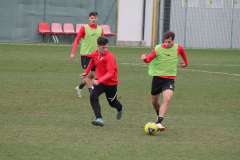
(203, 23)
(19, 18)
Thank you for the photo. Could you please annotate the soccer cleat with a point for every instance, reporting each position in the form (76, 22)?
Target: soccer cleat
(160, 127)
(98, 122)
(119, 114)
(78, 92)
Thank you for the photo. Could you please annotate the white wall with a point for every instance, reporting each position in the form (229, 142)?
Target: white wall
(130, 20)
(148, 22)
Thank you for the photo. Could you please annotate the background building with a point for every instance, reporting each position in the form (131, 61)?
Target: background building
(197, 23)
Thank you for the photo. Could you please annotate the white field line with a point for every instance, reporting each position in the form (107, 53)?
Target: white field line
(134, 64)
(191, 70)
(211, 72)
(223, 65)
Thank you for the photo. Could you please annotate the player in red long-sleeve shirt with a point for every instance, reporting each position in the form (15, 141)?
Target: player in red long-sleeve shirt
(163, 61)
(106, 72)
(87, 35)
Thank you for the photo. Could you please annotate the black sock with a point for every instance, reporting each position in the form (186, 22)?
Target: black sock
(119, 107)
(159, 119)
(90, 90)
(81, 85)
(157, 112)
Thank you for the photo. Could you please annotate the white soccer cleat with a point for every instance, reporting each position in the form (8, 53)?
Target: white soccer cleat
(160, 127)
(78, 92)
(98, 122)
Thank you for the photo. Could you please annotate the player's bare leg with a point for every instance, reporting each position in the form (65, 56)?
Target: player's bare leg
(80, 87)
(156, 106)
(89, 82)
(91, 77)
(167, 95)
(85, 81)
(156, 103)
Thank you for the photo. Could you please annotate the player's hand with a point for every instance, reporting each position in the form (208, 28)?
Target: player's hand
(82, 75)
(143, 56)
(183, 65)
(88, 81)
(72, 56)
(95, 82)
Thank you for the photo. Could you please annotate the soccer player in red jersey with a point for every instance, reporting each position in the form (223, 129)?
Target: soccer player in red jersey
(106, 72)
(163, 61)
(88, 35)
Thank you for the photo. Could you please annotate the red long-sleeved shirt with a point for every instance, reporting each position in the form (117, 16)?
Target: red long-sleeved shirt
(181, 52)
(81, 35)
(106, 67)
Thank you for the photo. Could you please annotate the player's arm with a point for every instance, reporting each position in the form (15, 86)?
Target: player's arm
(182, 53)
(111, 65)
(147, 58)
(79, 36)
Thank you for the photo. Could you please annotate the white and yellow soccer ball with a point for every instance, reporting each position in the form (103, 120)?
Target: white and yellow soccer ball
(151, 129)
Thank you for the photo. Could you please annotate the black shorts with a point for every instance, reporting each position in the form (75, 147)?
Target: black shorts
(85, 61)
(161, 84)
(110, 91)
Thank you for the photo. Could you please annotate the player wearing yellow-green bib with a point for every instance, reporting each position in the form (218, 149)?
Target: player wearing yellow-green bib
(163, 62)
(88, 35)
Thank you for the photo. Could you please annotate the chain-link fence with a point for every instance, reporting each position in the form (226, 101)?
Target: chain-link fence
(202, 23)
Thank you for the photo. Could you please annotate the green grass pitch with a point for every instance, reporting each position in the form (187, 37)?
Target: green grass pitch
(42, 119)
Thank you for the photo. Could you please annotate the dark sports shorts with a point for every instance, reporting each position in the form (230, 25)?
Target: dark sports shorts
(85, 61)
(161, 84)
(110, 91)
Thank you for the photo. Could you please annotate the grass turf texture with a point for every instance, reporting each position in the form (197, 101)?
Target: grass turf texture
(41, 118)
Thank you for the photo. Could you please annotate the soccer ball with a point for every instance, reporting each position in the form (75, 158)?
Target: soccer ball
(150, 129)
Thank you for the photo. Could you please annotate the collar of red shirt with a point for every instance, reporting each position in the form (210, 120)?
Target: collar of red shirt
(164, 45)
(93, 25)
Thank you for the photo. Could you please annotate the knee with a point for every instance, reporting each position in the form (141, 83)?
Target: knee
(155, 103)
(111, 103)
(166, 101)
(155, 100)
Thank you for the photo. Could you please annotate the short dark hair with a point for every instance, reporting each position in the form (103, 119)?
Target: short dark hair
(168, 35)
(101, 41)
(93, 14)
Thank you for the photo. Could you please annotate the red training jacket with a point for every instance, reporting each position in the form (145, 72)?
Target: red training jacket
(106, 67)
